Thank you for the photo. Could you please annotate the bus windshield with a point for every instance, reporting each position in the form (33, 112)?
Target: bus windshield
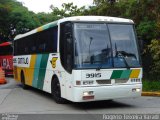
(105, 46)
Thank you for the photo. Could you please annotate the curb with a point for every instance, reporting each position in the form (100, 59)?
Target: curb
(156, 94)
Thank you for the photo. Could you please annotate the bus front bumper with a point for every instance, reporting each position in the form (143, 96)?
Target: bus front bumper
(84, 94)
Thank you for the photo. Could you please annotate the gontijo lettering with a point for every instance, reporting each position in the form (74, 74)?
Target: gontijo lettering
(23, 60)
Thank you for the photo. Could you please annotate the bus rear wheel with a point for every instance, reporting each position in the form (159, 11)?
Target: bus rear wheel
(24, 86)
(56, 91)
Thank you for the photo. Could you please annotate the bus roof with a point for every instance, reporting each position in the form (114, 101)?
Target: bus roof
(95, 18)
(76, 19)
(5, 44)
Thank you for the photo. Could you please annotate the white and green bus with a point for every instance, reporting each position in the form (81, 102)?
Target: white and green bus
(81, 58)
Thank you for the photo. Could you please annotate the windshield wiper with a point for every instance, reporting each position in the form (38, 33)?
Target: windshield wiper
(124, 54)
(128, 67)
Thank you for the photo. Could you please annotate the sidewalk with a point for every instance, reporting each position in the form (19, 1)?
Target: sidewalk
(156, 94)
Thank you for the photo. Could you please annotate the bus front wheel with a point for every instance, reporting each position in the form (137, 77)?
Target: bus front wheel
(56, 91)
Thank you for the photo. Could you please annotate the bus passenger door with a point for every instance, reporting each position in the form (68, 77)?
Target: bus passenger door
(66, 55)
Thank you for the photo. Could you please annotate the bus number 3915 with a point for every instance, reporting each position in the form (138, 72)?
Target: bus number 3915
(93, 75)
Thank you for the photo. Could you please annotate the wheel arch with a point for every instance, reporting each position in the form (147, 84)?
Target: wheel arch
(53, 77)
(22, 73)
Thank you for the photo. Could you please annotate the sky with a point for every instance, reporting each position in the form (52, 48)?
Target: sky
(43, 5)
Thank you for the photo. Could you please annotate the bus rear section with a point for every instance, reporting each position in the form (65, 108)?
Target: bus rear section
(6, 58)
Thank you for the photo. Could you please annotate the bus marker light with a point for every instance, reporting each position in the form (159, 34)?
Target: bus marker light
(78, 82)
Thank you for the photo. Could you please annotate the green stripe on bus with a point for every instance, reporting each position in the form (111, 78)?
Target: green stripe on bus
(49, 25)
(36, 70)
(125, 74)
(42, 70)
(116, 74)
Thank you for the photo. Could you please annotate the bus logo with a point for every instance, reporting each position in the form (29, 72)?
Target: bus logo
(53, 62)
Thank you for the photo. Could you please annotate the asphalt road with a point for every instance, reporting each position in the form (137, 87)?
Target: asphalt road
(15, 100)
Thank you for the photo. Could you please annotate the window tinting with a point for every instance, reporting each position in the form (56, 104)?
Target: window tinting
(41, 42)
(66, 46)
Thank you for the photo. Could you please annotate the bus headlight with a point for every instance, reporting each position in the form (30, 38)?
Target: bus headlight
(91, 82)
(136, 90)
(87, 93)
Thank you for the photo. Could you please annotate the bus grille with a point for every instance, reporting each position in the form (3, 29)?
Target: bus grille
(103, 81)
(120, 81)
(117, 81)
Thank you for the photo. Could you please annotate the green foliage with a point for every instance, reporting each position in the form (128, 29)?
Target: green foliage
(4, 12)
(23, 20)
(15, 19)
(149, 86)
(154, 49)
(147, 30)
(44, 18)
(104, 8)
(146, 15)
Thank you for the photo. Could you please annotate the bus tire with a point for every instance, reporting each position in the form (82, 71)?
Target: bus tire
(56, 91)
(24, 86)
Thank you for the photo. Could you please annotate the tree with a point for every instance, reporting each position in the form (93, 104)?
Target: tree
(154, 49)
(15, 19)
(146, 15)
(44, 18)
(67, 10)
(106, 8)
(4, 13)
